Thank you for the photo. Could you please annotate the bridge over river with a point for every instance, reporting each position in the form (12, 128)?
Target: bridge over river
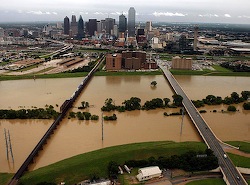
(64, 110)
(230, 173)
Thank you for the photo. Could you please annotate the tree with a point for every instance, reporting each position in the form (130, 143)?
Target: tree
(245, 94)
(154, 83)
(133, 103)
(113, 168)
(235, 97)
(166, 101)
(246, 106)
(177, 99)
(231, 108)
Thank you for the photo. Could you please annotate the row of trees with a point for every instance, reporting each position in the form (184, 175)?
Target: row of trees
(236, 67)
(234, 98)
(134, 103)
(40, 113)
(189, 161)
(83, 116)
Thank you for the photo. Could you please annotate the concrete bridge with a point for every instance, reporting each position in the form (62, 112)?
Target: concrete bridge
(231, 175)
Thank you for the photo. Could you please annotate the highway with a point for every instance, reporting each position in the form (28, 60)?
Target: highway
(230, 173)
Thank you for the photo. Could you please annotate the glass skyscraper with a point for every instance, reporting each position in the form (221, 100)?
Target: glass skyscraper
(131, 22)
(122, 23)
(80, 28)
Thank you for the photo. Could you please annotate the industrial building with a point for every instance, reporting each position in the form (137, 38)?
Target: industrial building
(129, 60)
(148, 173)
(182, 63)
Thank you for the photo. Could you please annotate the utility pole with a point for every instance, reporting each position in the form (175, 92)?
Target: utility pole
(182, 113)
(7, 146)
(102, 126)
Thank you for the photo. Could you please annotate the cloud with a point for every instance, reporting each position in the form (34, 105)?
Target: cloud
(84, 13)
(209, 15)
(40, 13)
(168, 14)
(227, 15)
(115, 13)
(100, 13)
(244, 16)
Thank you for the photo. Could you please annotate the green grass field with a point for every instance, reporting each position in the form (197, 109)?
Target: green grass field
(5, 177)
(244, 146)
(85, 165)
(81, 167)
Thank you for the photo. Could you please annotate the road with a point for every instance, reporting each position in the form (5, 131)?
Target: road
(232, 175)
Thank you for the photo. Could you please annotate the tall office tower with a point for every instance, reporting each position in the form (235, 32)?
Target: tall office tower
(131, 22)
(195, 38)
(92, 27)
(99, 27)
(66, 26)
(73, 26)
(80, 34)
(122, 23)
(148, 26)
(109, 25)
(115, 30)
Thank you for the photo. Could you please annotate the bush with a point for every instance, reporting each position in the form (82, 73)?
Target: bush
(202, 111)
(110, 118)
(246, 106)
(231, 108)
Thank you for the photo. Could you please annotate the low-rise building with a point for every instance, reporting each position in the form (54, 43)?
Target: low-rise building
(114, 62)
(148, 173)
(182, 63)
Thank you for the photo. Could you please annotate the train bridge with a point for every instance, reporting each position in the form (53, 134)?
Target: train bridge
(63, 111)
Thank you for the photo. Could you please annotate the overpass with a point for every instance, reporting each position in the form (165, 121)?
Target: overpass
(64, 110)
(230, 173)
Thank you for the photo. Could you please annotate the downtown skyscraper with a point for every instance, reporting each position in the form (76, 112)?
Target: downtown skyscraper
(80, 34)
(122, 23)
(66, 25)
(131, 22)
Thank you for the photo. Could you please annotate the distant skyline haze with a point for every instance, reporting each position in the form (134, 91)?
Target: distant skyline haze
(207, 11)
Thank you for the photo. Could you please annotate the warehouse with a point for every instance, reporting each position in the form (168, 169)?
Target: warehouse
(148, 173)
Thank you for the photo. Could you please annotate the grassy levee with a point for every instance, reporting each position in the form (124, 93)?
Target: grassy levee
(244, 146)
(5, 177)
(240, 160)
(207, 182)
(83, 166)
(77, 74)
(125, 73)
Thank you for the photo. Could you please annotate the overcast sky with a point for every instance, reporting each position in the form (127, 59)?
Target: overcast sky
(209, 11)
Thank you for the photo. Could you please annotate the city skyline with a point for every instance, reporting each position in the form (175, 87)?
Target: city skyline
(207, 11)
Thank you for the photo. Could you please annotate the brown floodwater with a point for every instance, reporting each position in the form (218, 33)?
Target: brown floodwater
(75, 137)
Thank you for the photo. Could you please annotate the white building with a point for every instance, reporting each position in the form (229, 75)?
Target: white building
(148, 173)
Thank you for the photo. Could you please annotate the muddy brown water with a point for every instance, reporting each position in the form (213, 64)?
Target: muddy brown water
(75, 137)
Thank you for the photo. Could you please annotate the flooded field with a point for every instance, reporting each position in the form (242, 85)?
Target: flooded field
(74, 137)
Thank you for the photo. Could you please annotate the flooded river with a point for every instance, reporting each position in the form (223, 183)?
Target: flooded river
(74, 137)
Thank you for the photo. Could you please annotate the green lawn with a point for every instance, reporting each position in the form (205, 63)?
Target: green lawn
(244, 146)
(124, 73)
(5, 177)
(208, 182)
(240, 160)
(80, 167)
(85, 165)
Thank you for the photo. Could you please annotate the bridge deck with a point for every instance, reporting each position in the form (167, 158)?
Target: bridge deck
(231, 175)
